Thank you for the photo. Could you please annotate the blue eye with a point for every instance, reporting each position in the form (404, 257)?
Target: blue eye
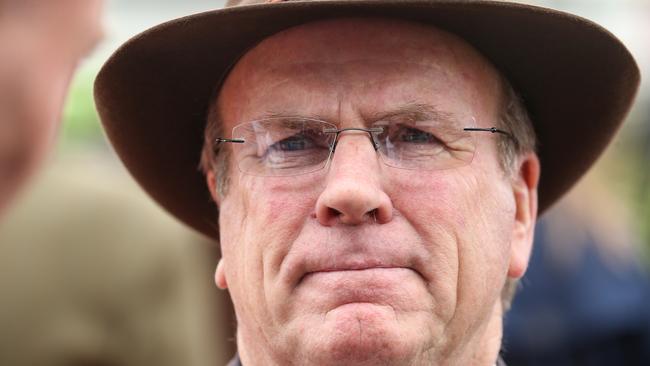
(416, 136)
(294, 143)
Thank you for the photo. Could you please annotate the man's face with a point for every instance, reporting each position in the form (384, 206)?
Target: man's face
(42, 42)
(361, 263)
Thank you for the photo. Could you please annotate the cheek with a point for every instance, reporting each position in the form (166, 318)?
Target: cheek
(429, 199)
(463, 216)
(278, 207)
(483, 242)
(259, 220)
(40, 98)
(33, 93)
(48, 89)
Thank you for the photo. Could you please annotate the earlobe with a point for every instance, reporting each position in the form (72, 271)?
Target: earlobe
(211, 180)
(220, 276)
(524, 187)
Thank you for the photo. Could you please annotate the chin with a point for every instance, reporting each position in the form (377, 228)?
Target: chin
(361, 334)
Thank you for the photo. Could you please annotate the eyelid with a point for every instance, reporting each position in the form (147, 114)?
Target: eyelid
(427, 123)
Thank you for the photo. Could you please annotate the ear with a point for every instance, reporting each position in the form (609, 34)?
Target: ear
(524, 188)
(220, 276)
(211, 180)
(220, 273)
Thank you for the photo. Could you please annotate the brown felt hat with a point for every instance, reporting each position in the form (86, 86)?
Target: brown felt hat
(577, 81)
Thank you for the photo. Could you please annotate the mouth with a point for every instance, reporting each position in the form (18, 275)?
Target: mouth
(355, 271)
(356, 262)
(334, 287)
(356, 268)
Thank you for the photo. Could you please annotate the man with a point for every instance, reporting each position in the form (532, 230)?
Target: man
(374, 170)
(42, 43)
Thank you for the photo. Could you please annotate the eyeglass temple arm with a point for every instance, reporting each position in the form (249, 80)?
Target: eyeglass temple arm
(221, 140)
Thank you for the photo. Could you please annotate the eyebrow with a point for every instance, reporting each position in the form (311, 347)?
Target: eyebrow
(415, 112)
(271, 114)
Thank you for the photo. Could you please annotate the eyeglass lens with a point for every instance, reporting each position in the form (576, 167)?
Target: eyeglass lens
(293, 146)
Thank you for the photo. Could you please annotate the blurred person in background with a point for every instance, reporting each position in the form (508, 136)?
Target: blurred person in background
(584, 299)
(41, 44)
(81, 281)
(92, 273)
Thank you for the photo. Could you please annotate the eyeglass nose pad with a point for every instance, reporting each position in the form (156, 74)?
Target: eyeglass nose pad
(375, 144)
(333, 147)
(371, 133)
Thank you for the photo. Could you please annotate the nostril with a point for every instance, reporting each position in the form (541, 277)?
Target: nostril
(373, 215)
(332, 212)
(351, 218)
(328, 216)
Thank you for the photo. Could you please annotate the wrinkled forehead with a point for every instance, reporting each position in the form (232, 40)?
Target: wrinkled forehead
(378, 39)
(348, 48)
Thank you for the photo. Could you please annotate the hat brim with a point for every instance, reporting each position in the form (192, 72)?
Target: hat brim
(577, 81)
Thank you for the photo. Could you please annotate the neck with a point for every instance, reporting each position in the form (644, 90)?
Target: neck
(489, 345)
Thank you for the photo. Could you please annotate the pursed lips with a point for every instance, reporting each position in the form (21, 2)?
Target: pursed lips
(355, 268)
(352, 258)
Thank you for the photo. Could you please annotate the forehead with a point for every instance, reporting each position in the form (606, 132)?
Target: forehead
(343, 58)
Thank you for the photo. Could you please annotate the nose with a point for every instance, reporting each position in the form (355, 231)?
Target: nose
(354, 192)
